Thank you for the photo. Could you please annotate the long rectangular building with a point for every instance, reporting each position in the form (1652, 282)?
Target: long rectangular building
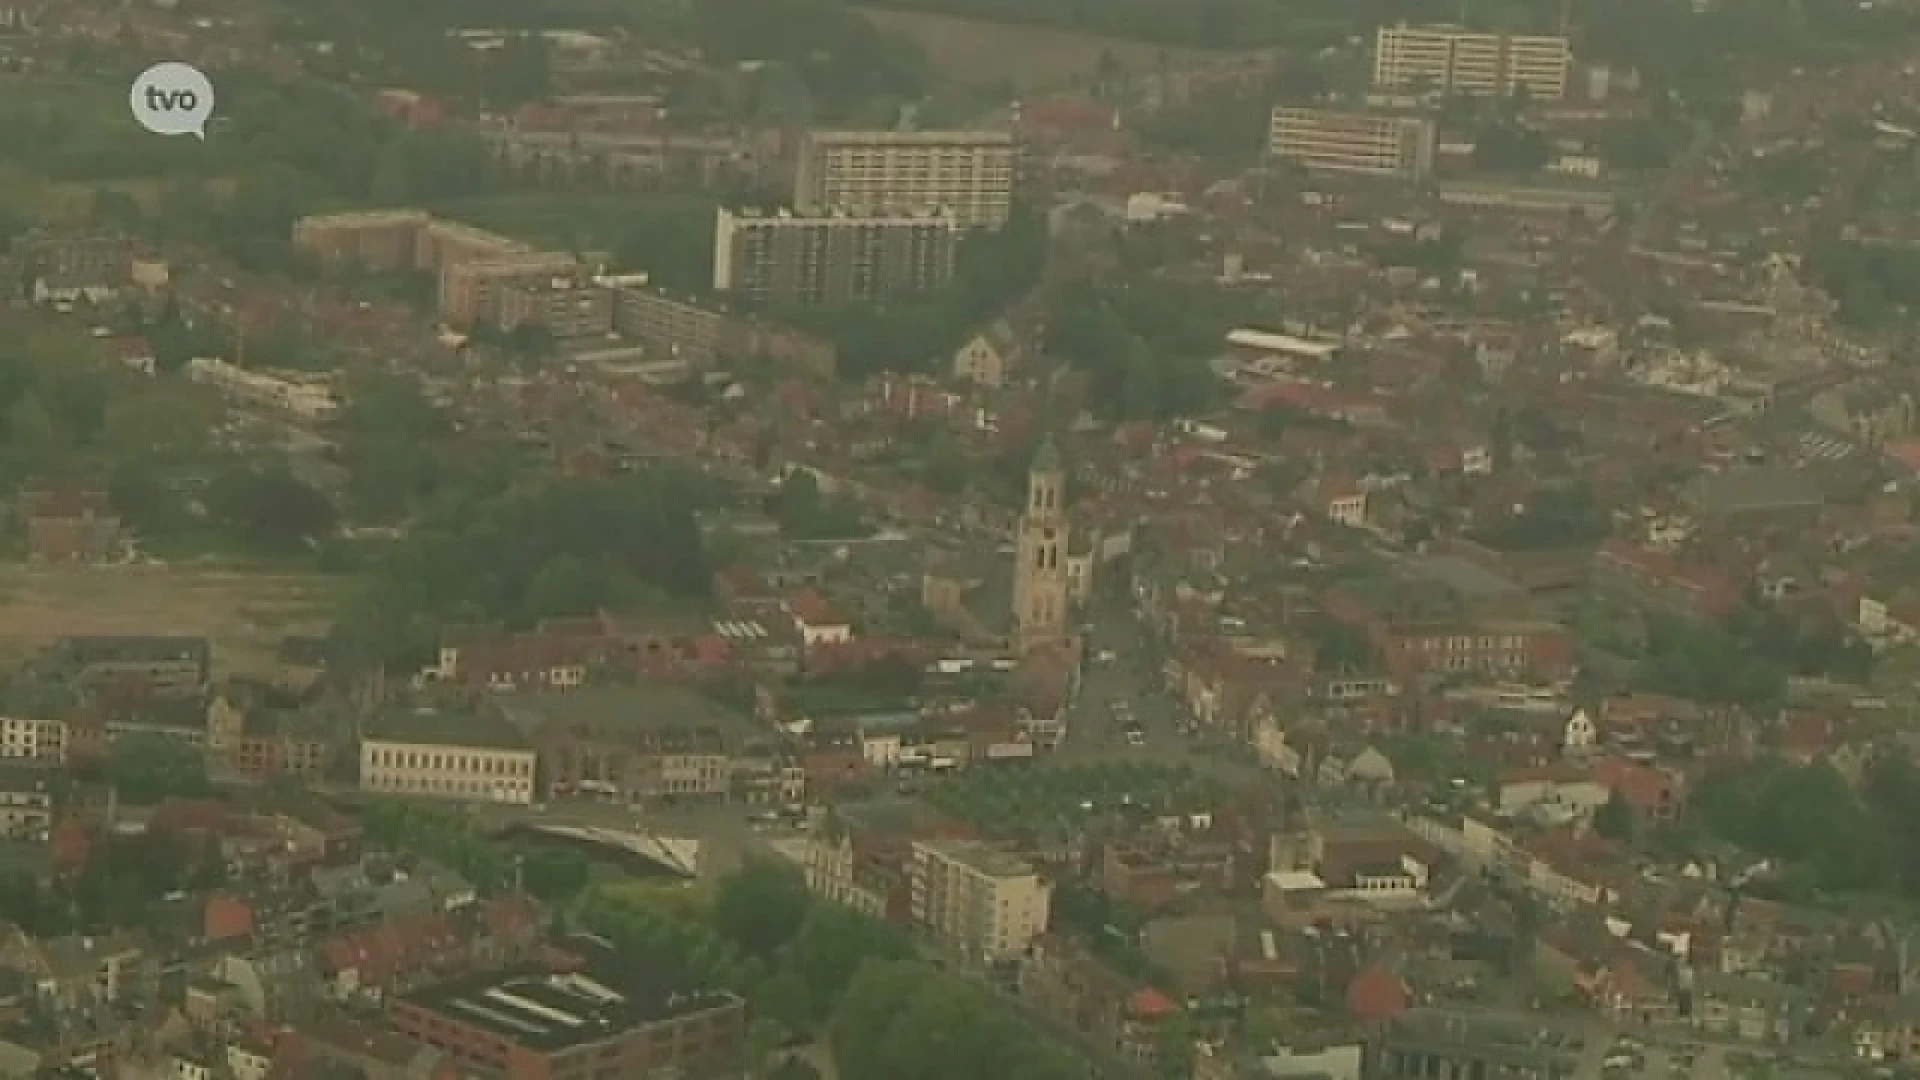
(475, 291)
(390, 241)
(591, 1013)
(701, 334)
(970, 174)
(1452, 60)
(1376, 144)
(786, 259)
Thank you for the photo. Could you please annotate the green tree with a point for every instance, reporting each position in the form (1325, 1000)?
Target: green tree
(784, 1000)
(1510, 147)
(157, 429)
(520, 72)
(567, 585)
(388, 433)
(34, 435)
(794, 1068)
(834, 942)
(1615, 820)
(270, 509)
(149, 768)
(761, 908)
(475, 558)
(556, 877)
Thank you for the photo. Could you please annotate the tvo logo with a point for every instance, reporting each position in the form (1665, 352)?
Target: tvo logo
(172, 99)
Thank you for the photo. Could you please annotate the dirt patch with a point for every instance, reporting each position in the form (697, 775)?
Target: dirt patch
(245, 613)
(977, 53)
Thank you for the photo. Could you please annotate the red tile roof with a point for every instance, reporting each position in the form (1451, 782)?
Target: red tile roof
(380, 954)
(1376, 995)
(1147, 1003)
(809, 608)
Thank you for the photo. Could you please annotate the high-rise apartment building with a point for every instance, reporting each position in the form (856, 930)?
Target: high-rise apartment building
(1452, 60)
(971, 174)
(1377, 144)
(378, 240)
(786, 259)
(983, 903)
(476, 291)
(566, 308)
(391, 241)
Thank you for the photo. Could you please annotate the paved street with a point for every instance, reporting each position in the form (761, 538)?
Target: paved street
(1094, 733)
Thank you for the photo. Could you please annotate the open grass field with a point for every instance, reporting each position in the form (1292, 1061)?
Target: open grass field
(976, 53)
(244, 612)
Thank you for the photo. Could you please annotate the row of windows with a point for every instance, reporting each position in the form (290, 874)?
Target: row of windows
(1463, 643)
(445, 785)
(473, 764)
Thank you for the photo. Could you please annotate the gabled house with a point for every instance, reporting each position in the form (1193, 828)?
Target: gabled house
(989, 357)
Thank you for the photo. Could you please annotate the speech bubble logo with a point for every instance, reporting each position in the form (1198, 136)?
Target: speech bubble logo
(172, 99)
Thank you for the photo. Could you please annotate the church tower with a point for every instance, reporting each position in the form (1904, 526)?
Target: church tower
(1040, 594)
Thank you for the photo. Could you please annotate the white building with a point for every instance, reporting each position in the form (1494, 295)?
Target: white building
(470, 754)
(1456, 61)
(969, 173)
(308, 399)
(983, 903)
(38, 740)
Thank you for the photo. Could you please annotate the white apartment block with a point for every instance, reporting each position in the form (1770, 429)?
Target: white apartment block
(38, 740)
(970, 174)
(1452, 60)
(982, 903)
(308, 399)
(1373, 144)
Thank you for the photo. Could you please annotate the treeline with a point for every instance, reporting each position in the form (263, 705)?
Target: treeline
(123, 879)
(993, 271)
(1702, 52)
(1552, 517)
(1836, 840)
(1143, 350)
(554, 876)
(1197, 24)
(838, 61)
(842, 61)
(1872, 283)
(541, 548)
(278, 148)
(1748, 658)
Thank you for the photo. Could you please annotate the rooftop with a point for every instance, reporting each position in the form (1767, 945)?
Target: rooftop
(1460, 576)
(482, 727)
(549, 1011)
(978, 857)
(630, 709)
(911, 138)
(1755, 489)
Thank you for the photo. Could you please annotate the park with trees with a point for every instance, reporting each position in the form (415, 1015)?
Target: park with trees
(815, 972)
(1836, 842)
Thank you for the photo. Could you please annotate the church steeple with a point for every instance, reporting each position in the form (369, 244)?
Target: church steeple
(1040, 583)
(1046, 478)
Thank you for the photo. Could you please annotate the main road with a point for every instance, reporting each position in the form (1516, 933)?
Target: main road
(1124, 666)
